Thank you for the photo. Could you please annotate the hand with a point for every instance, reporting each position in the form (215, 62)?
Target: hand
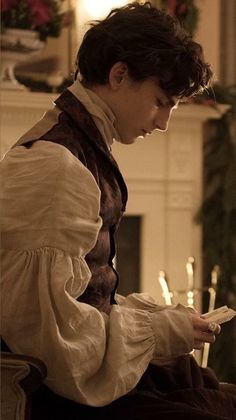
(203, 331)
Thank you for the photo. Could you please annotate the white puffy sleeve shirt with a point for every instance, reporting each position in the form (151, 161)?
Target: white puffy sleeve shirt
(50, 221)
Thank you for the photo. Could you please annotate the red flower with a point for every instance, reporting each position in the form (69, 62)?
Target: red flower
(67, 18)
(171, 7)
(35, 14)
(182, 9)
(7, 5)
(40, 12)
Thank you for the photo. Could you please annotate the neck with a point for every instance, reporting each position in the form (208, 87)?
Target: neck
(103, 91)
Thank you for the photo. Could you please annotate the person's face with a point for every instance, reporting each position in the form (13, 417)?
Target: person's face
(140, 108)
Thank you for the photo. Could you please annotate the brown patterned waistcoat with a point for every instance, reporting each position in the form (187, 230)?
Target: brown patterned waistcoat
(76, 130)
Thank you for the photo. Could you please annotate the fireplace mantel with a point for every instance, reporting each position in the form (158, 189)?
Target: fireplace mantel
(164, 177)
(19, 111)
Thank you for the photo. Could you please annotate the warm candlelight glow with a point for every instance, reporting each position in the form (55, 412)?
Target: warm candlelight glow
(88, 10)
(97, 9)
(165, 289)
(214, 275)
(190, 289)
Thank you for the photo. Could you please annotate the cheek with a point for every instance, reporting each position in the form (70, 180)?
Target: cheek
(127, 116)
(137, 112)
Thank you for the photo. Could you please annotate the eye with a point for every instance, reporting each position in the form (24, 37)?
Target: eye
(159, 103)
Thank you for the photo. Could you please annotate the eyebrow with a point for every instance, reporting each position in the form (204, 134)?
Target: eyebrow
(170, 101)
(168, 98)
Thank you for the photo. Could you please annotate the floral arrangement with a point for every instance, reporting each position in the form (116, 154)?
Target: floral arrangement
(43, 16)
(185, 11)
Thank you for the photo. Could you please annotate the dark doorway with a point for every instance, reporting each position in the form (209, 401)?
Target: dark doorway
(128, 255)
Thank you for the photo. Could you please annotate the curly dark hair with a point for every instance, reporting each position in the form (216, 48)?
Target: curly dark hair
(151, 43)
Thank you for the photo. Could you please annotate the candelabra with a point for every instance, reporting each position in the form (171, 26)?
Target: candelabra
(190, 292)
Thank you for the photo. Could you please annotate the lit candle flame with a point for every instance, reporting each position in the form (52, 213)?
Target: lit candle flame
(190, 271)
(190, 289)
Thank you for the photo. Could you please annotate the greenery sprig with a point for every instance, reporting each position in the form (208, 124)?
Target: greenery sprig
(217, 215)
(186, 12)
(44, 16)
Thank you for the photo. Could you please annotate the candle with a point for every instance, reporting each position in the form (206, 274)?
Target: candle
(165, 288)
(190, 266)
(212, 290)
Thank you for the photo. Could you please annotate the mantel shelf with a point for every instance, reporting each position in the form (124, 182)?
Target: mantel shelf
(18, 99)
(42, 101)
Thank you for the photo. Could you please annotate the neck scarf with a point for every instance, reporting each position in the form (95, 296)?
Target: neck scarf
(99, 111)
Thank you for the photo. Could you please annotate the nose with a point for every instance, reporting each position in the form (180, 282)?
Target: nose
(163, 118)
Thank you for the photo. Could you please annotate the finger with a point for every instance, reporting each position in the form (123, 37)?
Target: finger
(199, 323)
(198, 345)
(194, 311)
(201, 332)
(214, 328)
(204, 325)
(204, 337)
(201, 339)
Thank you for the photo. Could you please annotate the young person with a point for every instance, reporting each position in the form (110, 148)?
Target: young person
(63, 195)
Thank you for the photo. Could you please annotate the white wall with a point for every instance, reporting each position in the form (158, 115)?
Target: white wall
(208, 32)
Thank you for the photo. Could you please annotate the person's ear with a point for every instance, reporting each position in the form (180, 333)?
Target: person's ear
(117, 75)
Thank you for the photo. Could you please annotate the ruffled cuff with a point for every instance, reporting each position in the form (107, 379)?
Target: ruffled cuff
(173, 331)
(171, 324)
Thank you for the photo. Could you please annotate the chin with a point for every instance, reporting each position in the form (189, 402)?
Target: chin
(131, 140)
(128, 141)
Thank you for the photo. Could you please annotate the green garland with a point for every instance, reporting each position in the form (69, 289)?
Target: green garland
(217, 216)
(186, 12)
(19, 16)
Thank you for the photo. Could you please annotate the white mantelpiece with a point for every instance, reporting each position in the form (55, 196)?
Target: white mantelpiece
(19, 111)
(164, 177)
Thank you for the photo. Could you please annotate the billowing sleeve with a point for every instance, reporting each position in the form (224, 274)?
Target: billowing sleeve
(50, 221)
